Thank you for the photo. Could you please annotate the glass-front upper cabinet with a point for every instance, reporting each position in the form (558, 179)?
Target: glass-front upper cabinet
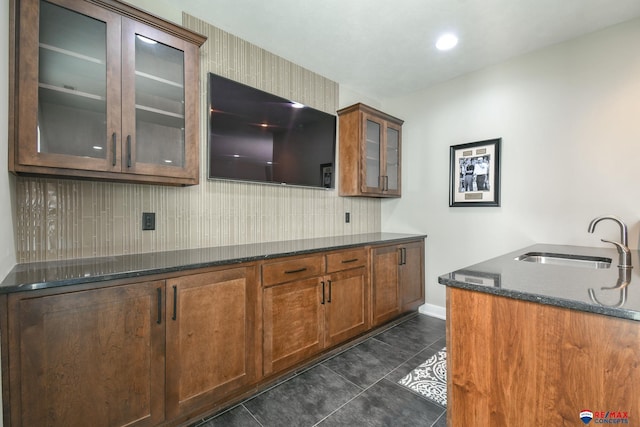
(157, 119)
(370, 146)
(100, 95)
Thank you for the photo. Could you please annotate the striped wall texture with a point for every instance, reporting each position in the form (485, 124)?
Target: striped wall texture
(63, 219)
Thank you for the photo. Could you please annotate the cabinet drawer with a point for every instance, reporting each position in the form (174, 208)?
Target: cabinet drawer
(292, 269)
(345, 260)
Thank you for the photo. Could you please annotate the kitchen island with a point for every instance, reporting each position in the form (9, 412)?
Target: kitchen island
(541, 344)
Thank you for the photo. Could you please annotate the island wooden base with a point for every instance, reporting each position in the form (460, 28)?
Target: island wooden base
(519, 363)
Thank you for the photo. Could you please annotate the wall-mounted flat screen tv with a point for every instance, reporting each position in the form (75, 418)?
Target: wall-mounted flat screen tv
(257, 136)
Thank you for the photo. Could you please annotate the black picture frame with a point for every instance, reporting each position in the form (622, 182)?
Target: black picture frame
(474, 173)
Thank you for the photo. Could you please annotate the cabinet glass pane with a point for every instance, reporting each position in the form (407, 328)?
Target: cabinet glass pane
(72, 86)
(159, 103)
(393, 157)
(373, 154)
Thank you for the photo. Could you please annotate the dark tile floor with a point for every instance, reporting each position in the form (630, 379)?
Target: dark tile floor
(357, 387)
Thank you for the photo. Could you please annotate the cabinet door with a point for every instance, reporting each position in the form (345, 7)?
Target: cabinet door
(159, 110)
(346, 308)
(392, 170)
(212, 336)
(90, 358)
(372, 154)
(412, 275)
(293, 323)
(69, 73)
(385, 283)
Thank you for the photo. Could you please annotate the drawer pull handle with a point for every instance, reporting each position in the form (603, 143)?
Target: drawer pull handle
(346, 261)
(300, 270)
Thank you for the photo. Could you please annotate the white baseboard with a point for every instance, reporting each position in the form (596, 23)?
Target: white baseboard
(433, 311)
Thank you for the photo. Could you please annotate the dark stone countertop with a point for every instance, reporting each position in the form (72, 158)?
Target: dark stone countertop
(49, 274)
(577, 288)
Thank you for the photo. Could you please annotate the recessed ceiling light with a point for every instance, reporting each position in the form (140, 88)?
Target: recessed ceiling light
(447, 41)
(297, 105)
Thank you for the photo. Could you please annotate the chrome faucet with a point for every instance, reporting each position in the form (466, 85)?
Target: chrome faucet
(622, 247)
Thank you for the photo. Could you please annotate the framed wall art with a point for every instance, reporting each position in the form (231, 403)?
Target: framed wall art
(475, 173)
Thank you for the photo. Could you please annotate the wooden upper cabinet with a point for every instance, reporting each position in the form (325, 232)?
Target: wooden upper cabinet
(99, 94)
(370, 146)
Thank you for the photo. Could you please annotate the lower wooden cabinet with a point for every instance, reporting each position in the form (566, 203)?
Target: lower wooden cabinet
(397, 280)
(293, 323)
(347, 305)
(385, 300)
(89, 358)
(212, 337)
(162, 352)
(100, 357)
(303, 317)
(411, 272)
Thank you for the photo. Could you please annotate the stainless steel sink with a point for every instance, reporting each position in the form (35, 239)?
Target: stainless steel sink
(569, 260)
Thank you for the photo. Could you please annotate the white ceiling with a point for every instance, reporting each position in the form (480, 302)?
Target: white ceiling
(384, 48)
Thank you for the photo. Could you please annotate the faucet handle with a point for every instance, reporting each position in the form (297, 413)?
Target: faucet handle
(624, 252)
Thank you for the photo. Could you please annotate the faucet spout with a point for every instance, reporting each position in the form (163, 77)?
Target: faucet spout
(622, 247)
(623, 227)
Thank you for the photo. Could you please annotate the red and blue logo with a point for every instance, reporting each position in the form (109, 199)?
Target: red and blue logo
(604, 417)
(586, 416)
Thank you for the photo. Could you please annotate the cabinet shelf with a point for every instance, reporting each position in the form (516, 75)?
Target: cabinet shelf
(72, 98)
(64, 68)
(151, 84)
(159, 117)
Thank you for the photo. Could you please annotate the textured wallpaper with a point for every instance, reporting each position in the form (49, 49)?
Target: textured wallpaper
(63, 219)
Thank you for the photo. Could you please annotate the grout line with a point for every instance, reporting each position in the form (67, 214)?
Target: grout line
(253, 416)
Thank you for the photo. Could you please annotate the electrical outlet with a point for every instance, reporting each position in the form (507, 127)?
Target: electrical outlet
(347, 217)
(148, 221)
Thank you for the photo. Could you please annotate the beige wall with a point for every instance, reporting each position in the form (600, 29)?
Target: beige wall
(568, 116)
(62, 219)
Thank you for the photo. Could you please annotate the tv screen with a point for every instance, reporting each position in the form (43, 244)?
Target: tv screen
(257, 136)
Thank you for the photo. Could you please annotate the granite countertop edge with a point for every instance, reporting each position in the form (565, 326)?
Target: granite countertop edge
(52, 274)
(535, 290)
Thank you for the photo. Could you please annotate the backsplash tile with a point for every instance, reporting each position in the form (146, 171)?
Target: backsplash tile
(64, 219)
